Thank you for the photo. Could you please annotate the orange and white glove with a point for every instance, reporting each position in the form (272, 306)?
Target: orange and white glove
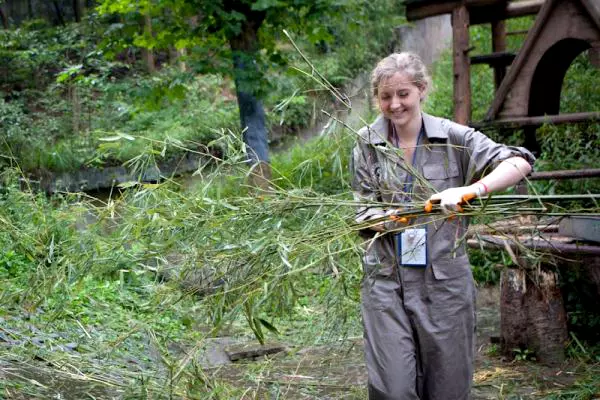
(395, 222)
(451, 199)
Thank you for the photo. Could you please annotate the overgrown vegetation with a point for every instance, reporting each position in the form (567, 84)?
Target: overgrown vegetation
(63, 89)
(119, 297)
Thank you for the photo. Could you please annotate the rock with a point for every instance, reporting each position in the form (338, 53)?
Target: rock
(253, 350)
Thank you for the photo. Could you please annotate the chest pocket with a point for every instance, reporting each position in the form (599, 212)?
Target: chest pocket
(442, 176)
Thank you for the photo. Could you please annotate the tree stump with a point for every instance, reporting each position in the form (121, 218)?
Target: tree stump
(532, 314)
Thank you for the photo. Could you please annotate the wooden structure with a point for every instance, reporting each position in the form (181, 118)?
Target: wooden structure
(528, 87)
(529, 93)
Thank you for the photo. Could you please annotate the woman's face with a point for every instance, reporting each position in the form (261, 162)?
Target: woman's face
(399, 99)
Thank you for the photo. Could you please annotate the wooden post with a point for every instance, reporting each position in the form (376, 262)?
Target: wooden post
(462, 76)
(498, 45)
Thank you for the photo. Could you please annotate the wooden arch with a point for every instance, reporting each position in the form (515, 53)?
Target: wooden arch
(562, 30)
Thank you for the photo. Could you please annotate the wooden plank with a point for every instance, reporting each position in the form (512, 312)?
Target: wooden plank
(484, 15)
(499, 58)
(481, 8)
(521, 32)
(461, 62)
(523, 8)
(520, 122)
(593, 9)
(541, 245)
(416, 11)
(565, 174)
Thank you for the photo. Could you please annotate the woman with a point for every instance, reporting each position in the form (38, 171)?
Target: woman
(418, 295)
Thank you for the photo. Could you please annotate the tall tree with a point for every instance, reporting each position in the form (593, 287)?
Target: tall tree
(78, 8)
(3, 16)
(231, 30)
(60, 19)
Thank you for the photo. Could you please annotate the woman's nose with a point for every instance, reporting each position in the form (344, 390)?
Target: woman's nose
(395, 103)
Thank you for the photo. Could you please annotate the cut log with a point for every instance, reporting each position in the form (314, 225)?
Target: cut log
(532, 314)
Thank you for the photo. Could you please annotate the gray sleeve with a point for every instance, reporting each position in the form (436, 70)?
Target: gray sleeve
(481, 154)
(364, 183)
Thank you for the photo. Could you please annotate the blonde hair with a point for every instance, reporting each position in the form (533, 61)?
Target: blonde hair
(406, 63)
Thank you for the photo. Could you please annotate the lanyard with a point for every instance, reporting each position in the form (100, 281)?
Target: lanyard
(407, 186)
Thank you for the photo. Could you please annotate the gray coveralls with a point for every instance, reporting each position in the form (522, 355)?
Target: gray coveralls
(419, 323)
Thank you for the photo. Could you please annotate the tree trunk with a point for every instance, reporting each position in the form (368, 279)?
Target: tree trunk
(30, 9)
(3, 17)
(76, 109)
(78, 8)
(248, 79)
(60, 19)
(147, 54)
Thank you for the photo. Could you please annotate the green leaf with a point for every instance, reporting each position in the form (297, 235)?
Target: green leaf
(117, 137)
(110, 138)
(269, 326)
(260, 336)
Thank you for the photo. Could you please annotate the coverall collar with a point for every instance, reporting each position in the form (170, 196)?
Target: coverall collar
(378, 130)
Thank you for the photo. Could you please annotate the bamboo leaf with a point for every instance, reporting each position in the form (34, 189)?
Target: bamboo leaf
(268, 325)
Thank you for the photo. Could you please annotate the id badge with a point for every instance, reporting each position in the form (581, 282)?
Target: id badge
(411, 245)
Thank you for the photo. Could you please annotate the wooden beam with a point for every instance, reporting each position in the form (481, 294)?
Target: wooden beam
(500, 58)
(545, 245)
(522, 8)
(521, 32)
(520, 122)
(565, 174)
(481, 8)
(462, 75)
(484, 15)
(415, 11)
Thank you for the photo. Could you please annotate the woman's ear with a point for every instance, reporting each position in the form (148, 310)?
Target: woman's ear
(422, 93)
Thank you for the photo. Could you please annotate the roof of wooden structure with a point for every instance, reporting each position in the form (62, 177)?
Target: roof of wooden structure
(480, 11)
(562, 30)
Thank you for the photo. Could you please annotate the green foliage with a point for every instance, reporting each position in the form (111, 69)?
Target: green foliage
(487, 265)
(580, 297)
(13, 265)
(523, 355)
(321, 165)
(69, 87)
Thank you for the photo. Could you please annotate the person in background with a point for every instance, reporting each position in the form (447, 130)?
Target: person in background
(418, 293)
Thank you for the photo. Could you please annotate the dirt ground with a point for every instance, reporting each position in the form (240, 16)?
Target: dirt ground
(333, 372)
(339, 372)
